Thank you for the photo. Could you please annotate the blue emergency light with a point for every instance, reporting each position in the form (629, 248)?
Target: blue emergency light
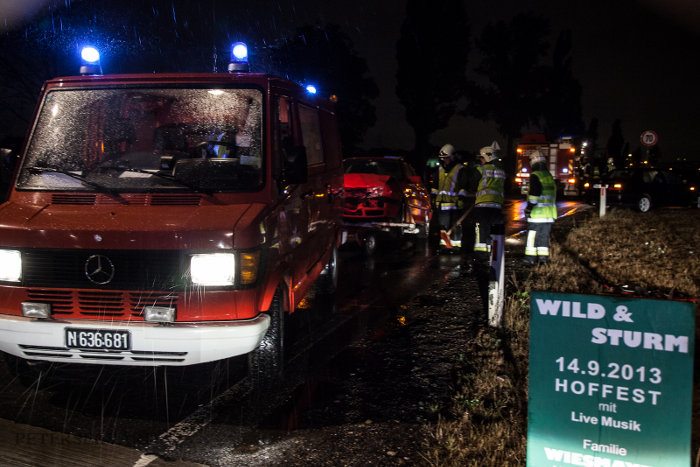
(311, 89)
(239, 58)
(90, 61)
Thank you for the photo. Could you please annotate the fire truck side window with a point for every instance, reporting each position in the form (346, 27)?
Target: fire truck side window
(311, 134)
(283, 138)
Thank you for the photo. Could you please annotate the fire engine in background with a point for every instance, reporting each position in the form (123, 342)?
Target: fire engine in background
(560, 155)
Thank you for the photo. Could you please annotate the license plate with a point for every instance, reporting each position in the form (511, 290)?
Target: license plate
(98, 339)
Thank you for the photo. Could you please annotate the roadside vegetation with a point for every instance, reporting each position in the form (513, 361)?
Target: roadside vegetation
(653, 255)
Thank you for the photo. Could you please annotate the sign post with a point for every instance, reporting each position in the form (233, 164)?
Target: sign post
(610, 381)
(496, 276)
(603, 201)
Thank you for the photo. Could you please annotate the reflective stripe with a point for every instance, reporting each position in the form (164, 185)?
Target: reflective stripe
(490, 205)
(530, 249)
(482, 247)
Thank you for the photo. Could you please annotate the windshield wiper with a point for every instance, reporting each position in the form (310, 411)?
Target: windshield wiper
(82, 179)
(158, 174)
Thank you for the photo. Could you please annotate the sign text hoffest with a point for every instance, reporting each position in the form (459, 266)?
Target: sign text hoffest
(610, 381)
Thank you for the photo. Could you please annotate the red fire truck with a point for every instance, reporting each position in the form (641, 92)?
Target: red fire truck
(560, 155)
(168, 219)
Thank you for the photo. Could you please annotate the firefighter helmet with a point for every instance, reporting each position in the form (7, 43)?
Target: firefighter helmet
(488, 153)
(447, 151)
(536, 157)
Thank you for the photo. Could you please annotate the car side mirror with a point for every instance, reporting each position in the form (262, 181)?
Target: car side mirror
(295, 170)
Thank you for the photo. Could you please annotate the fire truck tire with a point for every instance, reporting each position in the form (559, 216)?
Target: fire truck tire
(369, 243)
(328, 280)
(29, 374)
(266, 363)
(644, 203)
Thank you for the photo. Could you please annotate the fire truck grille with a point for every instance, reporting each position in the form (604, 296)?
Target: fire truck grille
(133, 199)
(103, 269)
(96, 304)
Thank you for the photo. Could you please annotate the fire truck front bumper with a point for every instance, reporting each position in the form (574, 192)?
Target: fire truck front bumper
(129, 343)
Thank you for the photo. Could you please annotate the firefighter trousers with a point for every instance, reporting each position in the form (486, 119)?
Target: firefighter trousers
(537, 243)
(485, 218)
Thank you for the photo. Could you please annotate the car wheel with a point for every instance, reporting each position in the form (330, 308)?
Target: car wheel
(328, 280)
(266, 363)
(644, 203)
(424, 230)
(369, 244)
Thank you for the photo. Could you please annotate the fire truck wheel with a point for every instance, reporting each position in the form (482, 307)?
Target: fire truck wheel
(266, 363)
(29, 374)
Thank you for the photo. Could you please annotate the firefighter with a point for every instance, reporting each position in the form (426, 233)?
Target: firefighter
(541, 210)
(488, 181)
(450, 194)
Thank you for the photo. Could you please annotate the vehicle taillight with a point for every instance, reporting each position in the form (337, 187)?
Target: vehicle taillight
(572, 181)
(617, 186)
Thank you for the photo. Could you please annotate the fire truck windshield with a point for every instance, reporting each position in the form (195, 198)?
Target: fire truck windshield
(146, 139)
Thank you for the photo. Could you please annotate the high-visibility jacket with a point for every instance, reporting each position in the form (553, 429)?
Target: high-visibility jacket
(491, 186)
(449, 189)
(544, 207)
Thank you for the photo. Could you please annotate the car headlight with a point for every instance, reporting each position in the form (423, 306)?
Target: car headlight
(10, 265)
(213, 269)
(375, 191)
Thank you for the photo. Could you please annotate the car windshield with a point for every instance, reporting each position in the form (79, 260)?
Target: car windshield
(389, 167)
(146, 139)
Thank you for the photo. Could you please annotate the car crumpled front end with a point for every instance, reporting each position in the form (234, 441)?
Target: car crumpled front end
(370, 197)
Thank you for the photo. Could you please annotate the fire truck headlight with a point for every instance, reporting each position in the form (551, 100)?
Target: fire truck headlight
(213, 269)
(10, 265)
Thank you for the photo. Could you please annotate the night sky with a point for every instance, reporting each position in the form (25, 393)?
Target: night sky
(637, 61)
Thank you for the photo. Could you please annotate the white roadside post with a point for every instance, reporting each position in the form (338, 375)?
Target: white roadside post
(603, 198)
(496, 276)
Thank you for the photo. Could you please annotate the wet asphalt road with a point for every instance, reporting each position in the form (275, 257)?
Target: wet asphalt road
(159, 410)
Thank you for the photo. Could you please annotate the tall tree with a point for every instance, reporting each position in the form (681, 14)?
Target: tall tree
(562, 99)
(510, 81)
(615, 143)
(325, 56)
(432, 58)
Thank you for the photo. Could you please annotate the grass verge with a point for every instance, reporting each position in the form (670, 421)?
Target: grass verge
(654, 255)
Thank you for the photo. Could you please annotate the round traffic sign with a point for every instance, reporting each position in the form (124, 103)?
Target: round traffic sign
(649, 138)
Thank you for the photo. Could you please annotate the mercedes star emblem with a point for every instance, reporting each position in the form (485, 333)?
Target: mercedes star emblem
(99, 269)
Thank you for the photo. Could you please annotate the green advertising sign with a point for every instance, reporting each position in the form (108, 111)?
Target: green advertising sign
(610, 381)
